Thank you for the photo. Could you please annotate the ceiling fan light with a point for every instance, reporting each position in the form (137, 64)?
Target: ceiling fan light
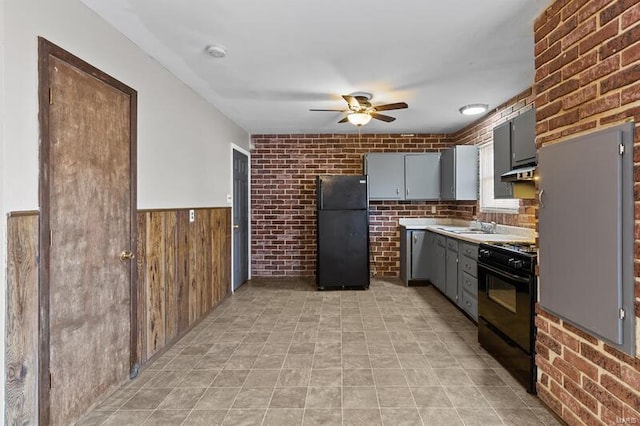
(473, 109)
(359, 118)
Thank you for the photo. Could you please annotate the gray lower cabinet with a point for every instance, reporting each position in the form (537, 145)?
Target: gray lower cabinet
(459, 173)
(414, 255)
(454, 270)
(451, 287)
(468, 278)
(439, 262)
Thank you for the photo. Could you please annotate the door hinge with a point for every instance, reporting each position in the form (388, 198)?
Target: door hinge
(621, 148)
(50, 96)
(622, 313)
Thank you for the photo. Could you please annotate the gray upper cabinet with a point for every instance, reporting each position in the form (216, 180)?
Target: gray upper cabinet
(403, 176)
(502, 160)
(459, 173)
(422, 176)
(386, 175)
(586, 222)
(523, 139)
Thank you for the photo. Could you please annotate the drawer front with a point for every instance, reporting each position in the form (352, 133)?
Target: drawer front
(469, 266)
(469, 284)
(469, 250)
(441, 240)
(470, 304)
(452, 244)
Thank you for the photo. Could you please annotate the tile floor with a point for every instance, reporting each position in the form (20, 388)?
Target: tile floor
(282, 353)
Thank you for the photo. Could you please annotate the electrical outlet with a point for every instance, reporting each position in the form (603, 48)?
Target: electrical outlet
(433, 209)
(192, 215)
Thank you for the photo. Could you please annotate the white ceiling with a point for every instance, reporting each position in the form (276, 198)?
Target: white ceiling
(287, 56)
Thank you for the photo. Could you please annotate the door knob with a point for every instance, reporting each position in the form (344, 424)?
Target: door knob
(236, 226)
(127, 255)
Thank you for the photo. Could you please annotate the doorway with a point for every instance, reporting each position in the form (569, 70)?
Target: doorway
(87, 198)
(240, 218)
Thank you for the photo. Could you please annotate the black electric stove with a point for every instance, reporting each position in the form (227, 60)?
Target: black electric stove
(515, 257)
(506, 306)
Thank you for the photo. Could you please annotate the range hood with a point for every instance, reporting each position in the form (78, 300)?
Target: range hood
(519, 174)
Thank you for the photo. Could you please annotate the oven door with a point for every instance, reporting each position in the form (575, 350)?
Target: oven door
(505, 301)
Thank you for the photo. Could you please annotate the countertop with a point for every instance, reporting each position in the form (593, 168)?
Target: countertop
(503, 233)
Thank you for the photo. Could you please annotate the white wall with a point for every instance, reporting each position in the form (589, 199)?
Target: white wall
(183, 142)
(3, 221)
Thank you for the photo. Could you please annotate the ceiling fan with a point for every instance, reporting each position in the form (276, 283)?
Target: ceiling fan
(360, 110)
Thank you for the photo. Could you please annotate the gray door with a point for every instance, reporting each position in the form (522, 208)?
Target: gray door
(419, 262)
(448, 175)
(422, 176)
(386, 176)
(582, 196)
(523, 143)
(452, 275)
(502, 160)
(240, 219)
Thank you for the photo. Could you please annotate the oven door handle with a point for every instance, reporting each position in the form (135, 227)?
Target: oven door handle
(503, 274)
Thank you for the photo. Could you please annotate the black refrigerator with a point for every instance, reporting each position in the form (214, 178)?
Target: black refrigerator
(343, 232)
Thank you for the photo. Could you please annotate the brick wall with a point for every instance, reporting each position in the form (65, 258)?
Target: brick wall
(482, 131)
(587, 71)
(283, 203)
(284, 168)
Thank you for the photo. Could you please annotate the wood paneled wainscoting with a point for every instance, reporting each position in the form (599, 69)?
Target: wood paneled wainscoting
(184, 270)
(21, 356)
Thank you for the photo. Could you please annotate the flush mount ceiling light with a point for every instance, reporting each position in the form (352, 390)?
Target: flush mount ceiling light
(359, 118)
(216, 51)
(474, 109)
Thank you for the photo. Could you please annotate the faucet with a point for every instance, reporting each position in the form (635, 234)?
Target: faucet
(488, 227)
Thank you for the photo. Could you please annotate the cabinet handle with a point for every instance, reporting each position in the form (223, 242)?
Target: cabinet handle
(397, 191)
(540, 198)
(467, 303)
(415, 238)
(407, 191)
(452, 190)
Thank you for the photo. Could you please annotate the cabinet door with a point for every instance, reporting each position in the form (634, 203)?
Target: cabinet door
(430, 255)
(502, 160)
(452, 275)
(440, 267)
(466, 172)
(422, 176)
(386, 176)
(523, 141)
(418, 255)
(586, 233)
(447, 175)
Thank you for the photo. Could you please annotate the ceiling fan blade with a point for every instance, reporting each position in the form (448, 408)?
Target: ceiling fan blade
(353, 102)
(344, 120)
(334, 110)
(382, 117)
(387, 107)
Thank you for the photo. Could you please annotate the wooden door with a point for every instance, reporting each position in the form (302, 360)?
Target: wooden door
(88, 202)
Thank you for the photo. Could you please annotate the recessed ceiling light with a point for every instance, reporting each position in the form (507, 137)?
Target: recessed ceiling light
(474, 109)
(216, 51)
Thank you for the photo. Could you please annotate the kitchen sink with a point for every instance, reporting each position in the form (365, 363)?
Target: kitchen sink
(464, 231)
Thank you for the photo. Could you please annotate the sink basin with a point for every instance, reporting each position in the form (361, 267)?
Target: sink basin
(464, 231)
